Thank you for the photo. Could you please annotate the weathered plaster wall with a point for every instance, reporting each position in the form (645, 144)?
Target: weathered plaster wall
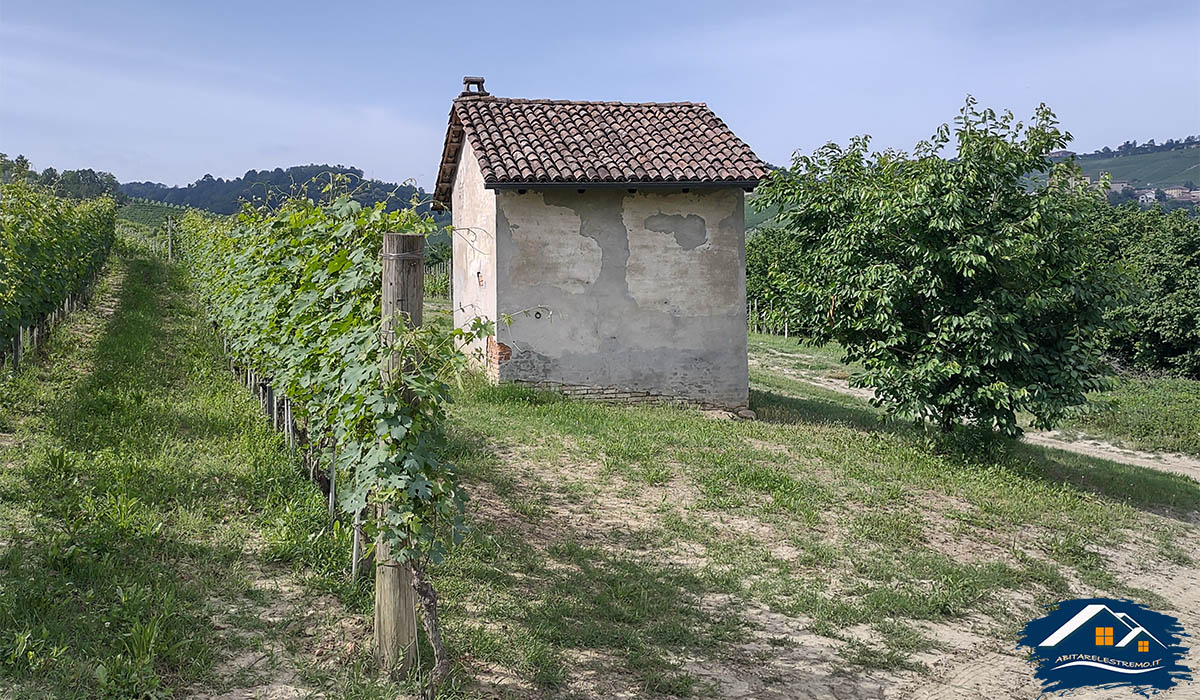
(474, 265)
(642, 291)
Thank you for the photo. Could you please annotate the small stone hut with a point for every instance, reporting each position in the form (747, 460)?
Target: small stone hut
(607, 241)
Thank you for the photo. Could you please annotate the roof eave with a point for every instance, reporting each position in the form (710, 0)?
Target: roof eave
(628, 184)
(443, 186)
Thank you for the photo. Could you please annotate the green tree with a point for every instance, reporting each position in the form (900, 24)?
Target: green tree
(1163, 307)
(15, 170)
(967, 293)
(272, 187)
(85, 184)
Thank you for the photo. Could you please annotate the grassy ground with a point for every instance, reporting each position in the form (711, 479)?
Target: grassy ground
(1159, 415)
(824, 359)
(144, 507)
(1156, 415)
(155, 537)
(633, 541)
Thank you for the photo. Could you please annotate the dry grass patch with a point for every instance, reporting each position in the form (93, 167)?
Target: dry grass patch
(832, 539)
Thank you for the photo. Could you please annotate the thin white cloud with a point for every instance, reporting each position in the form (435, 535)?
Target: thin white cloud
(784, 76)
(167, 121)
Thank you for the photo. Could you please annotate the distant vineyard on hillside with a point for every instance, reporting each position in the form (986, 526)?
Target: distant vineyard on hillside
(149, 213)
(1161, 169)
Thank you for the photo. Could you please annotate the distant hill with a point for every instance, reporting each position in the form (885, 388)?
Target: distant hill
(755, 218)
(225, 196)
(1175, 162)
(1149, 169)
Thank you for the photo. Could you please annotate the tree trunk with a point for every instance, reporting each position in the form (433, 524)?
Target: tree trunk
(429, 617)
(948, 422)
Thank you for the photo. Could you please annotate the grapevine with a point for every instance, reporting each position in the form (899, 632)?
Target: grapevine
(50, 248)
(296, 293)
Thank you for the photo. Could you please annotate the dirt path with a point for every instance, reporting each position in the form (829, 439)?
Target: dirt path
(275, 631)
(991, 669)
(778, 656)
(1185, 465)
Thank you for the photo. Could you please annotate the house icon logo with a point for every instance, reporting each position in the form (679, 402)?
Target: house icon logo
(1099, 642)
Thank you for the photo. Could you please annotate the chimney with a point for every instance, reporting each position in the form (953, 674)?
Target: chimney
(472, 81)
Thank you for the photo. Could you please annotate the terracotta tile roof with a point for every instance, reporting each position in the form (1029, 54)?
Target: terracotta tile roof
(520, 141)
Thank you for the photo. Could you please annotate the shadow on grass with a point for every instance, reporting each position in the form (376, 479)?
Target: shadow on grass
(528, 596)
(778, 407)
(125, 397)
(1147, 489)
(539, 611)
(1162, 492)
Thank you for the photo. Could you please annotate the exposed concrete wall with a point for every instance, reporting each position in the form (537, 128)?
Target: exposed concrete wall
(640, 291)
(474, 265)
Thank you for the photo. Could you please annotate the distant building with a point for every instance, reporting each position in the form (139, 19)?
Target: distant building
(1146, 197)
(1176, 192)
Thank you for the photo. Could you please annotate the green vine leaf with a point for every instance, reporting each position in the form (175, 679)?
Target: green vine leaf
(296, 290)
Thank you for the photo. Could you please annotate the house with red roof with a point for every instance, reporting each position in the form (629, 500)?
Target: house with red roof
(607, 241)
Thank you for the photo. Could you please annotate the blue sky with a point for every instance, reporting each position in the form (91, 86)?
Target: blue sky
(168, 91)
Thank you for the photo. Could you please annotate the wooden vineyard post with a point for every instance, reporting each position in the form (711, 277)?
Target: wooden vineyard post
(356, 547)
(170, 241)
(395, 599)
(290, 422)
(16, 350)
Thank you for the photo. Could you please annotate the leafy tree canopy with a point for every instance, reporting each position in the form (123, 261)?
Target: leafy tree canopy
(1163, 308)
(966, 294)
(75, 184)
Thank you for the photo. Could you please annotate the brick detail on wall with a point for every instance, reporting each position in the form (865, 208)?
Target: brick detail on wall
(621, 395)
(497, 354)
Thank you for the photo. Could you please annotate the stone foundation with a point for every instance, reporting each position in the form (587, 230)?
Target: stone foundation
(621, 395)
